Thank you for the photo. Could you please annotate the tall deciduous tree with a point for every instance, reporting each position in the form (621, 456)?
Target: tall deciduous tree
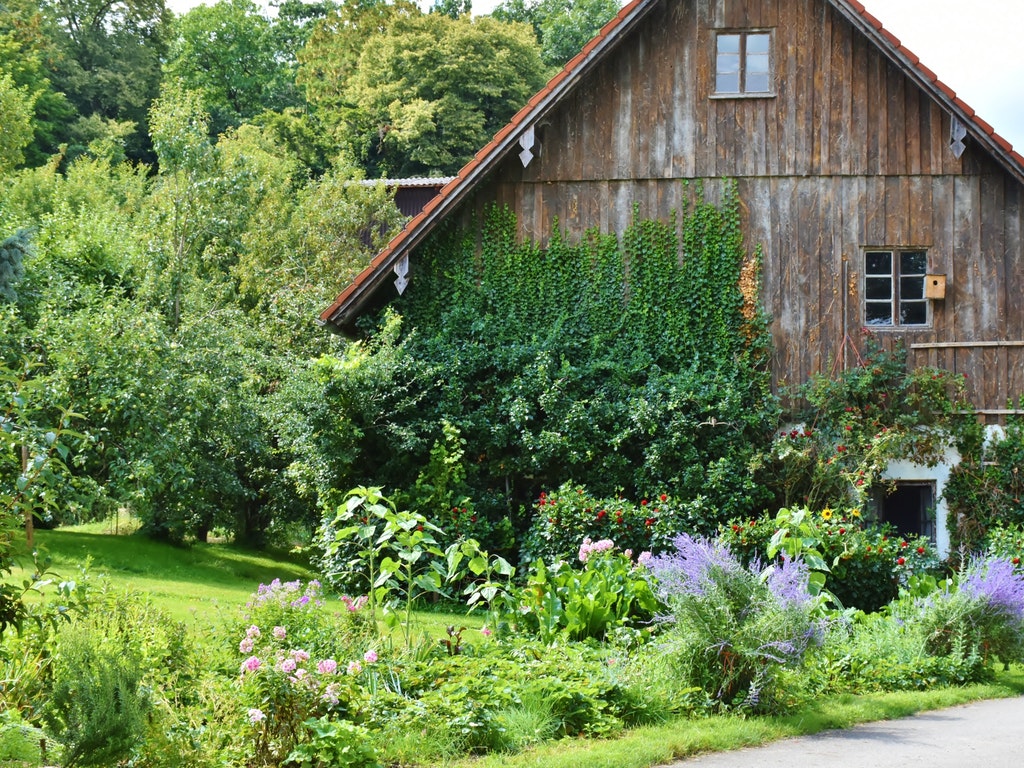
(562, 27)
(432, 90)
(227, 52)
(331, 55)
(110, 54)
(22, 60)
(16, 107)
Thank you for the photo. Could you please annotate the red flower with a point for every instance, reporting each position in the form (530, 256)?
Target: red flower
(900, 561)
(643, 502)
(1016, 561)
(840, 448)
(663, 497)
(649, 522)
(920, 550)
(602, 515)
(903, 545)
(842, 531)
(849, 427)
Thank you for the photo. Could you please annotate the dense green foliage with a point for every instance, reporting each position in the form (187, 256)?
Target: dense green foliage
(863, 563)
(562, 27)
(556, 365)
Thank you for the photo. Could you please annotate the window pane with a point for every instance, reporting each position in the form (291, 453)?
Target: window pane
(757, 83)
(913, 313)
(878, 313)
(913, 263)
(878, 262)
(728, 63)
(759, 43)
(878, 288)
(727, 83)
(911, 288)
(758, 64)
(728, 44)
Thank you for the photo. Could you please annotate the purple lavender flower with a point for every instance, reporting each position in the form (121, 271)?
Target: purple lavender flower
(691, 570)
(993, 580)
(788, 581)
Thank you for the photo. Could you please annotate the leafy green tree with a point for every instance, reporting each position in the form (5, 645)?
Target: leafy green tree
(452, 8)
(16, 107)
(562, 27)
(331, 54)
(51, 112)
(108, 63)
(432, 90)
(227, 52)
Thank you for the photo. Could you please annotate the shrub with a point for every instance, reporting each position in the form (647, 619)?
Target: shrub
(735, 629)
(564, 517)
(864, 563)
(559, 602)
(883, 652)
(982, 617)
(287, 690)
(96, 706)
(1006, 541)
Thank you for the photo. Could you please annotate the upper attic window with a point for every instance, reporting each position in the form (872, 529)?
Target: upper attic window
(743, 64)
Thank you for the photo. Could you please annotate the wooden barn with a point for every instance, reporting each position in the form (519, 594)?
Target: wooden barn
(880, 199)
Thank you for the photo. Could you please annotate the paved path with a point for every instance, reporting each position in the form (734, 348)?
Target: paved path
(988, 734)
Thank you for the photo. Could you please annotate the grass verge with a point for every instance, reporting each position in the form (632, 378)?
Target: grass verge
(663, 744)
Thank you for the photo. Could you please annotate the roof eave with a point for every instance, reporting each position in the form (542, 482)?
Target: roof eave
(348, 305)
(910, 64)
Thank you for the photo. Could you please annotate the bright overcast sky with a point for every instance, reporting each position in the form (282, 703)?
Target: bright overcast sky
(972, 45)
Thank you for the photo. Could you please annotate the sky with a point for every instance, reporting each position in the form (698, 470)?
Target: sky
(971, 45)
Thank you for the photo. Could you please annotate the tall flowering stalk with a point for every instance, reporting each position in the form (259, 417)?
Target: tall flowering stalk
(734, 628)
(983, 618)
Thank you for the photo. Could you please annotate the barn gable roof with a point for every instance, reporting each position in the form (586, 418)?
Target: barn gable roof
(349, 304)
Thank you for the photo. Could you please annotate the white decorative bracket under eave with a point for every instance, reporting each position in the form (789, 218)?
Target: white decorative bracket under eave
(526, 141)
(957, 134)
(402, 270)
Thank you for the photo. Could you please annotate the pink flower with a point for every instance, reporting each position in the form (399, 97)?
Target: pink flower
(300, 655)
(486, 632)
(287, 665)
(252, 631)
(331, 694)
(327, 667)
(354, 605)
(246, 645)
(645, 559)
(280, 632)
(354, 667)
(251, 664)
(370, 657)
(256, 716)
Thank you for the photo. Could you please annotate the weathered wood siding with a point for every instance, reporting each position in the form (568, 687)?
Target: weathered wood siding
(848, 154)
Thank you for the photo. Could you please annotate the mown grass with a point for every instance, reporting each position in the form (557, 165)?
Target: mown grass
(196, 583)
(189, 582)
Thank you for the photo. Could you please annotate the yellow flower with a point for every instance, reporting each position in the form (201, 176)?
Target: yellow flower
(854, 513)
(826, 514)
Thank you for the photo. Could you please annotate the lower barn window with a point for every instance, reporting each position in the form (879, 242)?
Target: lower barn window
(894, 288)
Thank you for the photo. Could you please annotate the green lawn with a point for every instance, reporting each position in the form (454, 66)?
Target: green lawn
(193, 582)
